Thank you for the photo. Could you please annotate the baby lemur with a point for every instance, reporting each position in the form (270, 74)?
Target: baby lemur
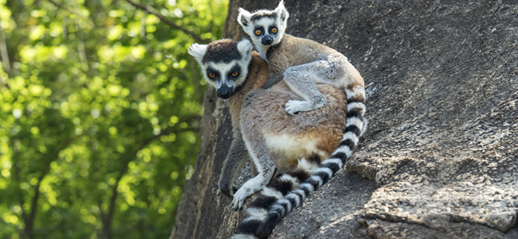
(293, 154)
(302, 63)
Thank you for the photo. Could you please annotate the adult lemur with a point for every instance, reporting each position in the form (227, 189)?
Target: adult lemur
(301, 148)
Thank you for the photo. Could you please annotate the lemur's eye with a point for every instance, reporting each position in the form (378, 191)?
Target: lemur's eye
(212, 75)
(235, 73)
(257, 32)
(274, 30)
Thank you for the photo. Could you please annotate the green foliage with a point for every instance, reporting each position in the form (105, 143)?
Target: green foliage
(100, 106)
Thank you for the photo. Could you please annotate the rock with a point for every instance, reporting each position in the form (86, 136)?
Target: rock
(442, 144)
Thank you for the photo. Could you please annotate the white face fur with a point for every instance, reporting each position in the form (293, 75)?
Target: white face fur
(223, 67)
(266, 28)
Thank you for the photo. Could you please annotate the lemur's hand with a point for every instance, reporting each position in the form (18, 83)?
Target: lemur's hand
(240, 196)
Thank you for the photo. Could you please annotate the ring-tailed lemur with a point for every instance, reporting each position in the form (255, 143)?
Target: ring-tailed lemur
(302, 63)
(294, 145)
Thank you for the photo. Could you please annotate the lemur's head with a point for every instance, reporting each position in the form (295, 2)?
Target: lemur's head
(265, 27)
(224, 64)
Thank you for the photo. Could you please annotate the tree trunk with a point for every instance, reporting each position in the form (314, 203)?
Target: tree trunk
(440, 157)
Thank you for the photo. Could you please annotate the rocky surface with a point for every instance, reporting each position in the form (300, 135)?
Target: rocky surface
(440, 158)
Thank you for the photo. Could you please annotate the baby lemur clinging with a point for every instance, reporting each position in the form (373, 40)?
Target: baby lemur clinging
(302, 63)
(304, 150)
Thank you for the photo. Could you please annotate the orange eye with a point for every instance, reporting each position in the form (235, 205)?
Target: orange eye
(258, 32)
(235, 73)
(212, 75)
(274, 30)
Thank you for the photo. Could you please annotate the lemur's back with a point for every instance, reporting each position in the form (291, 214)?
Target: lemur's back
(294, 51)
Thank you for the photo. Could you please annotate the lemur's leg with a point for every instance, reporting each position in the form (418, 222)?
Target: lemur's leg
(274, 79)
(263, 161)
(302, 80)
(236, 159)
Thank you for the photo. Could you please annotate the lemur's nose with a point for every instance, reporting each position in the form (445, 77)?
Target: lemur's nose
(224, 92)
(267, 40)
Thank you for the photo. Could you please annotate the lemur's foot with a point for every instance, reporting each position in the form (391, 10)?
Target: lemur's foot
(295, 106)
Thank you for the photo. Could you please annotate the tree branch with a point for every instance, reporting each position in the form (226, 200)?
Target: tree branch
(64, 7)
(167, 21)
(3, 51)
(29, 222)
(107, 221)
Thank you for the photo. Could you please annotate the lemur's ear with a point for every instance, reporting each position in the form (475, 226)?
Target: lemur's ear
(245, 47)
(244, 17)
(197, 51)
(282, 11)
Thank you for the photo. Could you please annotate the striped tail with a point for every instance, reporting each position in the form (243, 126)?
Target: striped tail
(355, 127)
(274, 191)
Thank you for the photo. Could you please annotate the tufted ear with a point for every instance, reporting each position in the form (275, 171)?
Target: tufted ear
(197, 51)
(244, 17)
(282, 11)
(245, 47)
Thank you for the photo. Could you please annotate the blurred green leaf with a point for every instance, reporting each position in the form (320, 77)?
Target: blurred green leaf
(99, 115)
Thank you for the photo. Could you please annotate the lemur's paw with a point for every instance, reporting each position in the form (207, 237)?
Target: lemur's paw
(295, 106)
(239, 198)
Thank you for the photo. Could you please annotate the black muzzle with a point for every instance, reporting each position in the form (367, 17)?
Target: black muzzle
(224, 91)
(267, 40)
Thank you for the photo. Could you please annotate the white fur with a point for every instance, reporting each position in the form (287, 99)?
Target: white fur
(365, 125)
(287, 202)
(306, 165)
(301, 192)
(325, 170)
(244, 47)
(286, 177)
(352, 136)
(250, 187)
(256, 213)
(276, 206)
(224, 69)
(294, 106)
(346, 150)
(243, 236)
(197, 51)
(358, 91)
(318, 179)
(333, 160)
(308, 186)
(268, 192)
(294, 197)
(290, 146)
(356, 121)
(356, 105)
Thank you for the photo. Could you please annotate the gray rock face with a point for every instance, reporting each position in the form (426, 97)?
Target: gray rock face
(442, 144)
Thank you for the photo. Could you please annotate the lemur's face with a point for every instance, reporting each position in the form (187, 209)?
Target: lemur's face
(264, 27)
(224, 64)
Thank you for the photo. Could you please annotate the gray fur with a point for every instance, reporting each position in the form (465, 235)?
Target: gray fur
(303, 63)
